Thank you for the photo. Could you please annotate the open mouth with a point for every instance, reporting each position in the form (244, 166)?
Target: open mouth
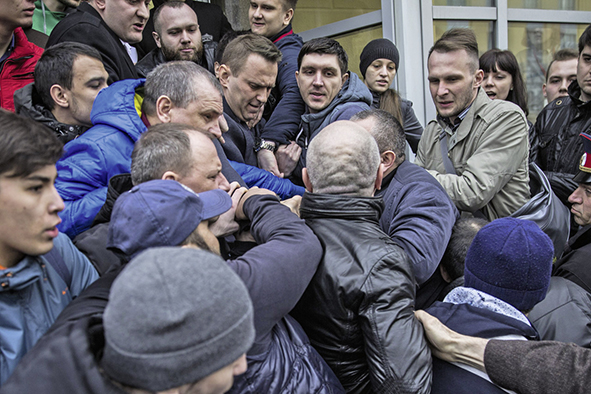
(491, 94)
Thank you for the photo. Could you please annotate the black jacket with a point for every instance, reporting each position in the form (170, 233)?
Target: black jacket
(556, 146)
(575, 263)
(155, 57)
(27, 103)
(358, 309)
(87, 27)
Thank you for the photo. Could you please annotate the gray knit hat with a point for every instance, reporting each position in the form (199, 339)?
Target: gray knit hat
(175, 316)
(380, 48)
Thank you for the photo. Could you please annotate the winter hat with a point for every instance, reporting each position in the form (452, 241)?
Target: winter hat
(510, 259)
(161, 213)
(380, 48)
(175, 316)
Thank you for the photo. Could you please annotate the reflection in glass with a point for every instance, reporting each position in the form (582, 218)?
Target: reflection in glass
(568, 5)
(470, 3)
(310, 14)
(534, 45)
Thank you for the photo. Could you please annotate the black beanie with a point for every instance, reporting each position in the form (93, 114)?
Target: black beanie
(380, 48)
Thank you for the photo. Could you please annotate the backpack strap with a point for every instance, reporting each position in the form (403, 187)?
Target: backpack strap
(56, 260)
(449, 167)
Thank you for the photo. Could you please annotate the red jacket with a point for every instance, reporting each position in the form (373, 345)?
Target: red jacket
(17, 70)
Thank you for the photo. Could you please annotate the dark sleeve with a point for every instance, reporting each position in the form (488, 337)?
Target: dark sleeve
(278, 270)
(562, 185)
(228, 171)
(538, 367)
(412, 128)
(398, 357)
(284, 123)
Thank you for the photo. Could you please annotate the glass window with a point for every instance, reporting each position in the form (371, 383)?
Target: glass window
(571, 5)
(470, 3)
(534, 45)
(354, 42)
(482, 29)
(310, 14)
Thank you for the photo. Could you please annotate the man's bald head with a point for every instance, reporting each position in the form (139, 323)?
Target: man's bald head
(343, 159)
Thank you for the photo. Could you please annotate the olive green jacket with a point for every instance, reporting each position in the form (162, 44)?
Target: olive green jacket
(489, 151)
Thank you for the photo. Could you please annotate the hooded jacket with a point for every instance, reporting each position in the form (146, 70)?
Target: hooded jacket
(94, 157)
(27, 103)
(358, 308)
(32, 295)
(44, 19)
(17, 70)
(478, 321)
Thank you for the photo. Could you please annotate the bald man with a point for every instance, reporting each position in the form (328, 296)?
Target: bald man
(358, 309)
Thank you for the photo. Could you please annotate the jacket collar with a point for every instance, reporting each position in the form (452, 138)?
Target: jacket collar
(316, 205)
(287, 31)
(574, 91)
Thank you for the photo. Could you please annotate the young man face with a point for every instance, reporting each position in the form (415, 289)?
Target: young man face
(247, 92)
(560, 75)
(452, 84)
(88, 78)
(16, 13)
(584, 73)
(179, 36)
(581, 204)
(319, 80)
(127, 18)
(29, 207)
(268, 17)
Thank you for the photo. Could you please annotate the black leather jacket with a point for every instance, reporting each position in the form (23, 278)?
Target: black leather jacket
(358, 308)
(556, 146)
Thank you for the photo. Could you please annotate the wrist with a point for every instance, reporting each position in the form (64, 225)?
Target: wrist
(264, 144)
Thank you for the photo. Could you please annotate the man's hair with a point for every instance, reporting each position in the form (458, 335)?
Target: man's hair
(56, 67)
(344, 165)
(181, 81)
(457, 39)
(325, 46)
(585, 39)
(287, 4)
(561, 56)
(240, 48)
(462, 234)
(164, 147)
(495, 59)
(25, 145)
(386, 130)
(170, 4)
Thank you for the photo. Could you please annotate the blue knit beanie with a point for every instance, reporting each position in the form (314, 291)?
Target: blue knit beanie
(510, 259)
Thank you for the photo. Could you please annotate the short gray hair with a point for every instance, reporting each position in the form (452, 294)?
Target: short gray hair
(386, 130)
(164, 147)
(181, 81)
(343, 159)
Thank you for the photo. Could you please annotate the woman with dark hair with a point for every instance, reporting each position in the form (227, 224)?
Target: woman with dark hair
(502, 78)
(378, 64)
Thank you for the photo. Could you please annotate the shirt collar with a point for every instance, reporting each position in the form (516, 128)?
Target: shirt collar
(8, 50)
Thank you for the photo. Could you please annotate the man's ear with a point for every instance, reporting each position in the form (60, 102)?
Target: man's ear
(59, 96)
(224, 74)
(170, 176)
(306, 180)
(100, 4)
(164, 108)
(287, 17)
(379, 177)
(345, 77)
(388, 158)
(478, 78)
(544, 90)
(157, 39)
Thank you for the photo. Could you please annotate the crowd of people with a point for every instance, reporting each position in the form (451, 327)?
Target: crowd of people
(185, 208)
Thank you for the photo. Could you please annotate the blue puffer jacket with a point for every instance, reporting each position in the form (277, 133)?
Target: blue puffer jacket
(254, 176)
(94, 157)
(32, 295)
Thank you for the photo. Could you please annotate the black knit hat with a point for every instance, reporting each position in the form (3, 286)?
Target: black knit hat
(380, 48)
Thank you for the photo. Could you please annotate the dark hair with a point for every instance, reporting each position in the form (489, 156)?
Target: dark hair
(55, 67)
(164, 147)
(457, 39)
(287, 4)
(169, 4)
(495, 59)
(25, 145)
(240, 48)
(585, 39)
(387, 131)
(462, 235)
(561, 56)
(325, 46)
